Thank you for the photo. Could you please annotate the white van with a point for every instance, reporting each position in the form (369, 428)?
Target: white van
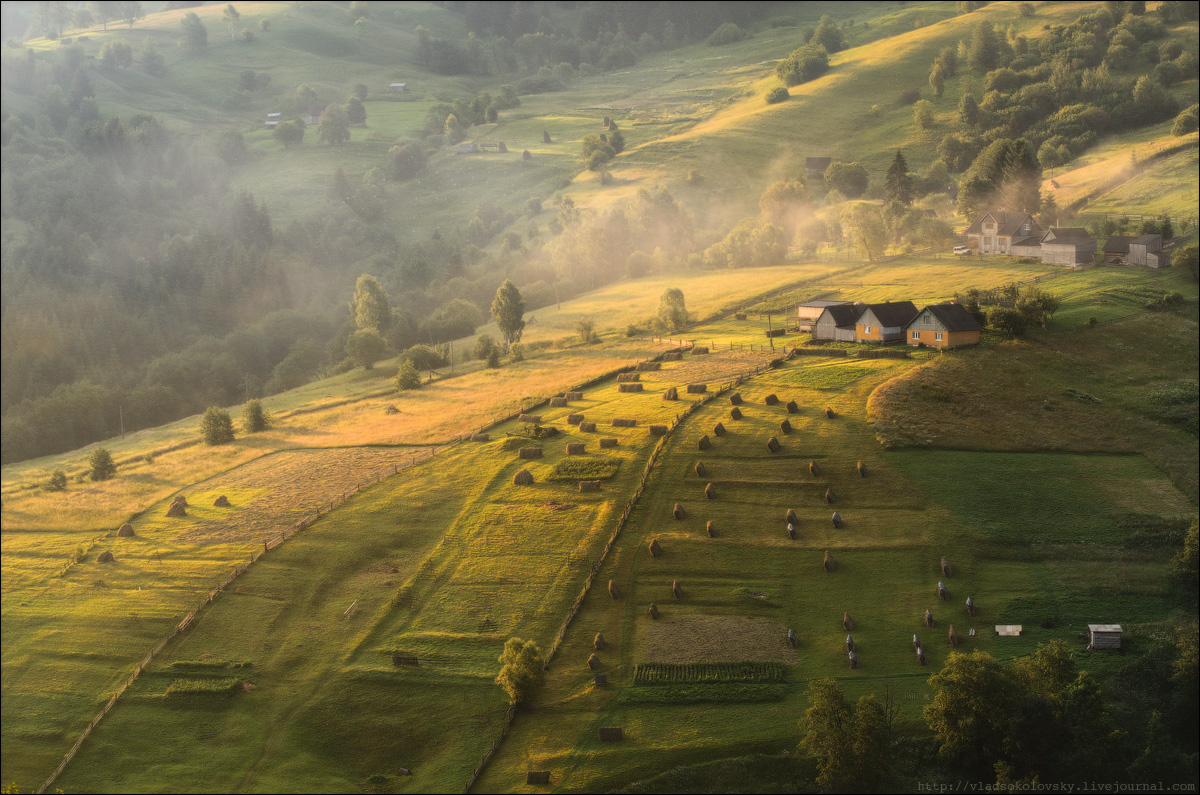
(962, 251)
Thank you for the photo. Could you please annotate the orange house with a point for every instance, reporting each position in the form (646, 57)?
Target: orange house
(884, 322)
(943, 326)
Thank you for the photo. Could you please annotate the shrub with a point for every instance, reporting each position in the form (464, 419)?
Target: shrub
(254, 417)
(101, 464)
(215, 426)
(484, 346)
(777, 95)
(516, 352)
(422, 357)
(909, 96)
(407, 376)
(58, 481)
(728, 33)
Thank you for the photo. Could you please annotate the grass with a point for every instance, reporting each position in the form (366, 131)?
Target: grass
(575, 469)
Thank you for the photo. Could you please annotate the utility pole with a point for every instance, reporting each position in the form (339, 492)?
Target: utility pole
(770, 331)
(121, 414)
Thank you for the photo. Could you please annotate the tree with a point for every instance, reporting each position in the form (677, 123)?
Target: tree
(850, 179)
(853, 745)
(868, 229)
(968, 110)
(521, 671)
(195, 35)
(371, 307)
(407, 160)
(672, 311)
(58, 481)
(103, 11)
(216, 427)
(365, 347)
(114, 54)
(289, 132)
(829, 35)
(130, 12)
(1008, 320)
(923, 114)
(333, 126)
(984, 50)
(617, 141)
(596, 152)
(152, 59)
(898, 182)
(937, 79)
(407, 376)
(508, 310)
(356, 113)
(231, 18)
(585, 329)
(484, 345)
(254, 417)
(361, 91)
(1188, 121)
(101, 465)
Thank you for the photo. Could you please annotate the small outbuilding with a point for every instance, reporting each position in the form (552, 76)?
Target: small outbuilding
(1068, 246)
(1104, 636)
(808, 313)
(398, 87)
(837, 323)
(1147, 250)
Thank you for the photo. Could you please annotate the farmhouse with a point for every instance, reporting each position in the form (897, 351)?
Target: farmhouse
(1068, 246)
(807, 314)
(943, 326)
(837, 323)
(994, 231)
(884, 322)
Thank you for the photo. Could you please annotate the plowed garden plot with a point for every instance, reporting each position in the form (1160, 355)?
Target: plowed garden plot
(716, 367)
(716, 639)
(291, 485)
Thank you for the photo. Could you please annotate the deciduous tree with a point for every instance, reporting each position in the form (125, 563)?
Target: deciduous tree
(216, 427)
(521, 673)
(508, 310)
(672, 311)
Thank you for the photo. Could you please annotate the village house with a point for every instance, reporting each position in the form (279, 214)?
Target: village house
(943, 326)
(836, 323)
(1068, 246)
(884, 322)
(808, 313)
(994, 232)
(1148, 250)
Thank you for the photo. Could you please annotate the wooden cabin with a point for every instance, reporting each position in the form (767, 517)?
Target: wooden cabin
(837, 323)
(1104, 636)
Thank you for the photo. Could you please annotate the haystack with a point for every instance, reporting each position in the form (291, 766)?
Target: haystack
(829, 412)
(574, 396)
(613, 591)
(793, 641)
(607, 121)
(529, 452)
(829, 496)
(921, 657)
(678, 511)
(697, 389)
(785, 426)
(610, 734)
(182, 500)
(523, 478)
(629, 387)
(847, 621)
(624, 423)
(862, 469)
(829, 563)
(735, 413)
(676, 591)
(587, 427)
(106, 557)
(390, 409)
(534, 418)
(928, 619)
(546, 137)
(712, 530)
(557, 402)
(593, 661)
(608, 442)
(791, 528)
(601, 679)
(771, 399)
(574, 419)
(718, 430)
(599, 643)
(793, 407)
(653, 611)
(945, 567)
(704, 443)
(480, 437)
(849, 643)
(576, 448)
(773, 445)
(814, 468)
(658, 430)
(671, 394)
(943, 594)
(853, 660)
(177, 511)
(916, 642)
(971, 607)
(589, 485)
(701, 470)
(791, 517)
(739, 315)
(700, 349)
(627, 378)
(673, 356)
(655, 549)
(649, 366)
(837, 519)
(221, 502)
(735, 399)
(710, 491)
(953, 637)
(125, 531)
(537, 777)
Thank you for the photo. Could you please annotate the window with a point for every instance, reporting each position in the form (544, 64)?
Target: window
(937, 335)
(916, 335)
(928, 320)
(868, 330)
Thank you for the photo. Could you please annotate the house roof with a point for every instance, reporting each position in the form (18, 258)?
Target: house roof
(1067, 235)
(1009, 223)
(822, 303)
(893, 313)
(1148, 240)
(1117, 244)
(1034, 240)
(843, 314)
(817, 163)
(954, 317)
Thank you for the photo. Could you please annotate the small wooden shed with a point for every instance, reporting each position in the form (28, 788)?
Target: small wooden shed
(1104, 636)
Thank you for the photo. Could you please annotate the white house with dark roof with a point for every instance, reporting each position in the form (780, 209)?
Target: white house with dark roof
(995, 231)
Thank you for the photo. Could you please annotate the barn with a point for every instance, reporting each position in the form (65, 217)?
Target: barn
(837, 323)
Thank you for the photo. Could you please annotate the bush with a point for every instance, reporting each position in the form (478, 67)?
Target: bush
(910, 96)
(422, 357)
(484, 346)
(101, 465)
(806, 63)
(407, 376)
(58, 481)
(1188, 121)
(516, 352)
(215, 426)
(728, 33)
(777, 95)
(254, 418)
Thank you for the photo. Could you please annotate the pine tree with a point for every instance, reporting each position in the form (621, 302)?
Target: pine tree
(899, 183)
(215, 426)
(407, 376)
(101, 464)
